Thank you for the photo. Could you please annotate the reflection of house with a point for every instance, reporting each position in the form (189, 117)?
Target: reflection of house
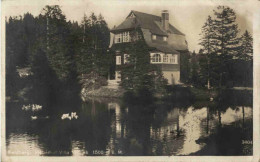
(165, 42)
(118, 129)
(169, 128)
(169, 134)
(115, 106)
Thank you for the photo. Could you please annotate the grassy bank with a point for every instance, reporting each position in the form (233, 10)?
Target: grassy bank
(172, 94)
(103, 91)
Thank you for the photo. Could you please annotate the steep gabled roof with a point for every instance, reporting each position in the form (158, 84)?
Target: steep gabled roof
(145, 21)
(151, 24)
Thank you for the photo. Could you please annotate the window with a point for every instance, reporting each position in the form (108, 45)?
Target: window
(165, 58)
(156, 58)
(118, 38)
(126, 37)
(118, 60)
(154, 37)
(126, 57)
(164, 38)
(174, 59)
(122, 37)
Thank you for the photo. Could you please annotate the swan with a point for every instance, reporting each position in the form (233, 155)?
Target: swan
(34, 117)
(70, 117)
(64, 116)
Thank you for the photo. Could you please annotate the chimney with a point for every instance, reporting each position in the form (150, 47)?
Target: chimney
(165, 20)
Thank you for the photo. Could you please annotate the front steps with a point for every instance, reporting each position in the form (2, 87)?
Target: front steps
(113, 84)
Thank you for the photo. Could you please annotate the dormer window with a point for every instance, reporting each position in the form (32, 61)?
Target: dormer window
(126, 37)
(122, 37)
(164, 38)
(154, 37)
(118, 38)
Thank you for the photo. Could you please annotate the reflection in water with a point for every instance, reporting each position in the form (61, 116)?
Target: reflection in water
(111, 127)
(190, 122)
(23, 144)
(77, 148)
(239, 113)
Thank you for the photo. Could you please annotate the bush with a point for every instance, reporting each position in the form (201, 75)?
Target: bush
(92, 81)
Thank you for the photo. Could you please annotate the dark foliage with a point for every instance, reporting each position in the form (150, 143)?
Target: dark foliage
(227, 60)
(56, 53)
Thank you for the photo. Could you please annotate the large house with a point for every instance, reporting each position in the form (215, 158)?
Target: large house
(165, 42)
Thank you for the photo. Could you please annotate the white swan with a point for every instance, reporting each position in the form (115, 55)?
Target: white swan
(64, 116)
(34, 117)
(70, 117)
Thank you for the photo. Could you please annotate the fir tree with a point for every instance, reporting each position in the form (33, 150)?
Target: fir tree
(194, 79)
(245, 58)
(92, 57)
(226, 31)
(185, 67)
(208, 44)
(57, 32)
(225, 40)
(246, 48)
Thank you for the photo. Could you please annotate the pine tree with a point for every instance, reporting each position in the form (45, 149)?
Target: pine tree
(57, 32)
(208, 44)
(92, 57)
(226, 42)
(20, 37)
(245, 58)
(246, 48)
(194, 79)
(226, 31)
(185, 67)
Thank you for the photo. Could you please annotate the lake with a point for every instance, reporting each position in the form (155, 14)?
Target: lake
(115, 127)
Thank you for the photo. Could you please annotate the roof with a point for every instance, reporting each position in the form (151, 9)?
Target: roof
(145, 21)
(163, 47)
(174, 42)
(151, 24)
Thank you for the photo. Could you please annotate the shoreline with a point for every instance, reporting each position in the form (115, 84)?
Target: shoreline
(200, 94)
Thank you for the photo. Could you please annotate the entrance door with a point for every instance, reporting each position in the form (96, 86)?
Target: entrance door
(118, 76)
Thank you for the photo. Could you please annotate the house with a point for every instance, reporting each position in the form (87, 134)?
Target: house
(166, 43)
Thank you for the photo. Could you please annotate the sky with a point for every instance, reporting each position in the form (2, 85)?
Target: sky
(186, 15)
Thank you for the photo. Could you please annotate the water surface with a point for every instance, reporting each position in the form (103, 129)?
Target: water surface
(114, 127)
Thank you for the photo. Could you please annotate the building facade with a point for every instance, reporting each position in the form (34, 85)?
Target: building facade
(165, 42)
